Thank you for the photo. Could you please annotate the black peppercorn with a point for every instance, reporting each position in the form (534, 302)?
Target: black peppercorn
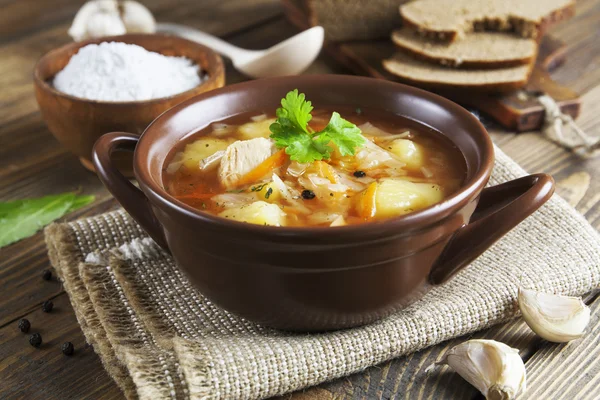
(67, 348)
(47, 306)
(359, 174)
(35, 340)
(47, 275)
(308, 194)
(24, 325)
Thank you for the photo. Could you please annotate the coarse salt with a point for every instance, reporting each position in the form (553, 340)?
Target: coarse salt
(114, 71)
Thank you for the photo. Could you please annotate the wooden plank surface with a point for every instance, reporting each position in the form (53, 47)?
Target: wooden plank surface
(33, 164)
(547, 376)
(46, 373)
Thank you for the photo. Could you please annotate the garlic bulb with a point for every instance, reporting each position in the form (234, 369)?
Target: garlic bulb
(555, 318)
(137, 18)
(104, 24)
(494, 368)
(99, 18)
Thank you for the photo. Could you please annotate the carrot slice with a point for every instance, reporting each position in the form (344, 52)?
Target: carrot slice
(326, 171)
(276, 160)
(367, 206)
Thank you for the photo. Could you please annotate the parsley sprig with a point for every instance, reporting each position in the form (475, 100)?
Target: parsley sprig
(291, 131)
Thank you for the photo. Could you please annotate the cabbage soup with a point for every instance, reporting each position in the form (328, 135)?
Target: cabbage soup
(313, 167)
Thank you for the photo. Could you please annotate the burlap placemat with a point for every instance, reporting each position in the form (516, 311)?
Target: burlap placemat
(160, 338)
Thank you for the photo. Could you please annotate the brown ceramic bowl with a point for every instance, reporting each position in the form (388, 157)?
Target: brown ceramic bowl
(314, 279)
(77, 123)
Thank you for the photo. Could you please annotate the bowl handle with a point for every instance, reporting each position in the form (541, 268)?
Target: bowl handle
(500, 209)
(130, 197)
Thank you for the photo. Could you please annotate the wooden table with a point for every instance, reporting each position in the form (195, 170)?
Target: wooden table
(33, 164)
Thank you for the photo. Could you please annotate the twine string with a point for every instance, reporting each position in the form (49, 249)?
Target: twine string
(562, 129)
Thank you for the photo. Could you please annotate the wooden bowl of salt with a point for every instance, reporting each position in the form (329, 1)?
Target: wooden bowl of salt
(77, 122)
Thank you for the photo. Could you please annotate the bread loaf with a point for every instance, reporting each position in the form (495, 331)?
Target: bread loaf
(432, 76)
(450, 19)
(476, 50)
(355, 19)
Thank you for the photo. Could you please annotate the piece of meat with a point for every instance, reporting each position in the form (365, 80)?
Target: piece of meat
(241, 157)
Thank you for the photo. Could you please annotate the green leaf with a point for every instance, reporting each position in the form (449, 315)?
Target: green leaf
(296, 109)
(346, 136)
(291, 131)
(22, 218)
(284, 136)
(81, 201)
(291, 127)
(304, 149)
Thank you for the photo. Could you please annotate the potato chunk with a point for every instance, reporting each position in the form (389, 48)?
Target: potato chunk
(259, 212)
(201, 149)
(268, 192)
(409, 152)
(257, 129)
(394, 197)
(397, 197)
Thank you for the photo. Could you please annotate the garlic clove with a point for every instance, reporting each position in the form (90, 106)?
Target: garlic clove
(494, 368)
(78, 28)
(97, 18)
(553, 317)
(104, 24)
(137, 18)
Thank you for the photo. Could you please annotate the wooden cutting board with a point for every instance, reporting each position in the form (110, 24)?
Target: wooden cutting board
(519, 111)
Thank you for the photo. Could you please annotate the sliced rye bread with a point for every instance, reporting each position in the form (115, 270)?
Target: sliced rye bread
(437, 77)
(354, 19)
(475, 50)
(451, 19)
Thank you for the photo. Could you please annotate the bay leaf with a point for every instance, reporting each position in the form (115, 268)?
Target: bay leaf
(23, 218)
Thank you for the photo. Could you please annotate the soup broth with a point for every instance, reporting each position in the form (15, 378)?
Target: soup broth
(232, 169)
